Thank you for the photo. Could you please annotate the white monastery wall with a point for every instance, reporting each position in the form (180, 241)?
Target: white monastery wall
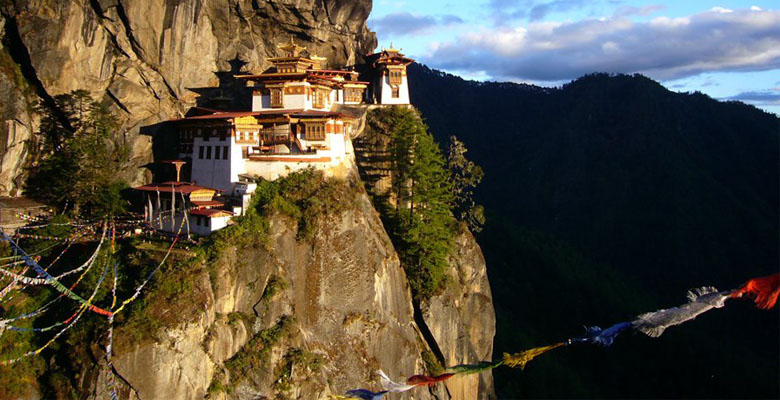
(273, 170)
(296, 101)
(218, 222)
(387, 92)
(261, 102)
(211, 169)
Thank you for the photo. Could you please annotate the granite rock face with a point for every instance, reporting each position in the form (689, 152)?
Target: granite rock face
(459, 324)
(344, 289)
(462, 319)
(350, 305)
(150, 59)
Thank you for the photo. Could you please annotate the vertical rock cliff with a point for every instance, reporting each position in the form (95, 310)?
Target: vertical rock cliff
(344, 290)
(304, 318)
(459, 323)
(151, 59)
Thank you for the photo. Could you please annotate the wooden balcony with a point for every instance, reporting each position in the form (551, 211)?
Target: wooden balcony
(275, 135)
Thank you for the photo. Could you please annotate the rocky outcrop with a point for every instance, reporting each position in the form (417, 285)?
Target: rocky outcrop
(151, 59)
(458, 324)
(16, 122)
(344, 289)
(462, 319)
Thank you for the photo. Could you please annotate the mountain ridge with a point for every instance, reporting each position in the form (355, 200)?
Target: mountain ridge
(610, 196)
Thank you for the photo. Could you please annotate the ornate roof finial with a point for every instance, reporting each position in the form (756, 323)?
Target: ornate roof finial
(392, 49)
(292, 49)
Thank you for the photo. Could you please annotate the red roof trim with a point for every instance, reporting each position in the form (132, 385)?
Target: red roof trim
(177, 187)
(210, 203)
(281, 112)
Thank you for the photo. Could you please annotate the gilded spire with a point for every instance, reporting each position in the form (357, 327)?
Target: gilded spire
(392, 49)
(291, 49)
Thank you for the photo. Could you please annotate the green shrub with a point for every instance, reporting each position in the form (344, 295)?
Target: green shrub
(252, 356)
(304, 360)
(275, 285)
(432, 365)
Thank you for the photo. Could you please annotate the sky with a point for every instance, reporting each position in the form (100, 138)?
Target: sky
(727, 49)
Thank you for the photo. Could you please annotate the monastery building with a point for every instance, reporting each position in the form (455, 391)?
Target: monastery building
(294, 124)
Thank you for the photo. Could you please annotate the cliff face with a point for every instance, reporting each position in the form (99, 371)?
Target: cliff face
(15, 121)
(344, 290)
(346, 311)
(462, 319)
(459, 323)
(150, 59)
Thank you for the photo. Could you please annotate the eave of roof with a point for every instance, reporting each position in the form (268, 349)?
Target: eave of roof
(176, 187)
(297, 113)
(211, 213)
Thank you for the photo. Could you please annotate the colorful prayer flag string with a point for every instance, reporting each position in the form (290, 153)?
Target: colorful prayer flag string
(466, 369)
(604, 337)
(50, 280)
(364, 394)
(110, 343)
(151, 274)
(764, 291)
(426, 380)
(68, 324)
(391, 386)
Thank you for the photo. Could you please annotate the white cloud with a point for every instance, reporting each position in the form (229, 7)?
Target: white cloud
(664, 48)
(721, 10)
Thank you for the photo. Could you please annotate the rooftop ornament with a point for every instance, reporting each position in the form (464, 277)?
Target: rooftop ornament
(291, 49)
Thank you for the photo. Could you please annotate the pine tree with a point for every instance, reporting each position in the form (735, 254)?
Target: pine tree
(421, 188)
(465, 176)
(80, 157)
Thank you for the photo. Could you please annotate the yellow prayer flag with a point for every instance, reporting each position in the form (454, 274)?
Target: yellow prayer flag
(520, 359)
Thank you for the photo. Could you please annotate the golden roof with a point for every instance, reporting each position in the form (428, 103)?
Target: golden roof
(292, 49)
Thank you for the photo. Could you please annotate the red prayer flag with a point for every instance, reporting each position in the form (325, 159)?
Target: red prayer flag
(425, 380)
(764, 290)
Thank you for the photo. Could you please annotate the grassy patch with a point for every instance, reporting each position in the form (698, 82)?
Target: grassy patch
(302, 361)
(432, 365)
(305, 196)
(275, 285)
(252, 356)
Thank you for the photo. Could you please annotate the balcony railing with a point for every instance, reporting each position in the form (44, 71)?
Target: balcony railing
(275, 135)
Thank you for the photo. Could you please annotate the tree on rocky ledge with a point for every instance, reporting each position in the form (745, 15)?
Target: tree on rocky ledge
(78, 157)
(423, 226)
(465, 175)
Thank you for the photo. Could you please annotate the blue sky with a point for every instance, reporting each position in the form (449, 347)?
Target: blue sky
(726, 49)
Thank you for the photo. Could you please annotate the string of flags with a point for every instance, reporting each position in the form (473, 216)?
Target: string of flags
(46, 278)
(110, 343)
(763, 291)
(84, 305)
(69, 323)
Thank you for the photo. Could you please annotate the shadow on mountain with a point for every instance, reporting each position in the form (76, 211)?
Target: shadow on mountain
(609, 197)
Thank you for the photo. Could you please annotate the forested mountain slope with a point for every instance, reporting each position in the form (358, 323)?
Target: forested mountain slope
(609, 197)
